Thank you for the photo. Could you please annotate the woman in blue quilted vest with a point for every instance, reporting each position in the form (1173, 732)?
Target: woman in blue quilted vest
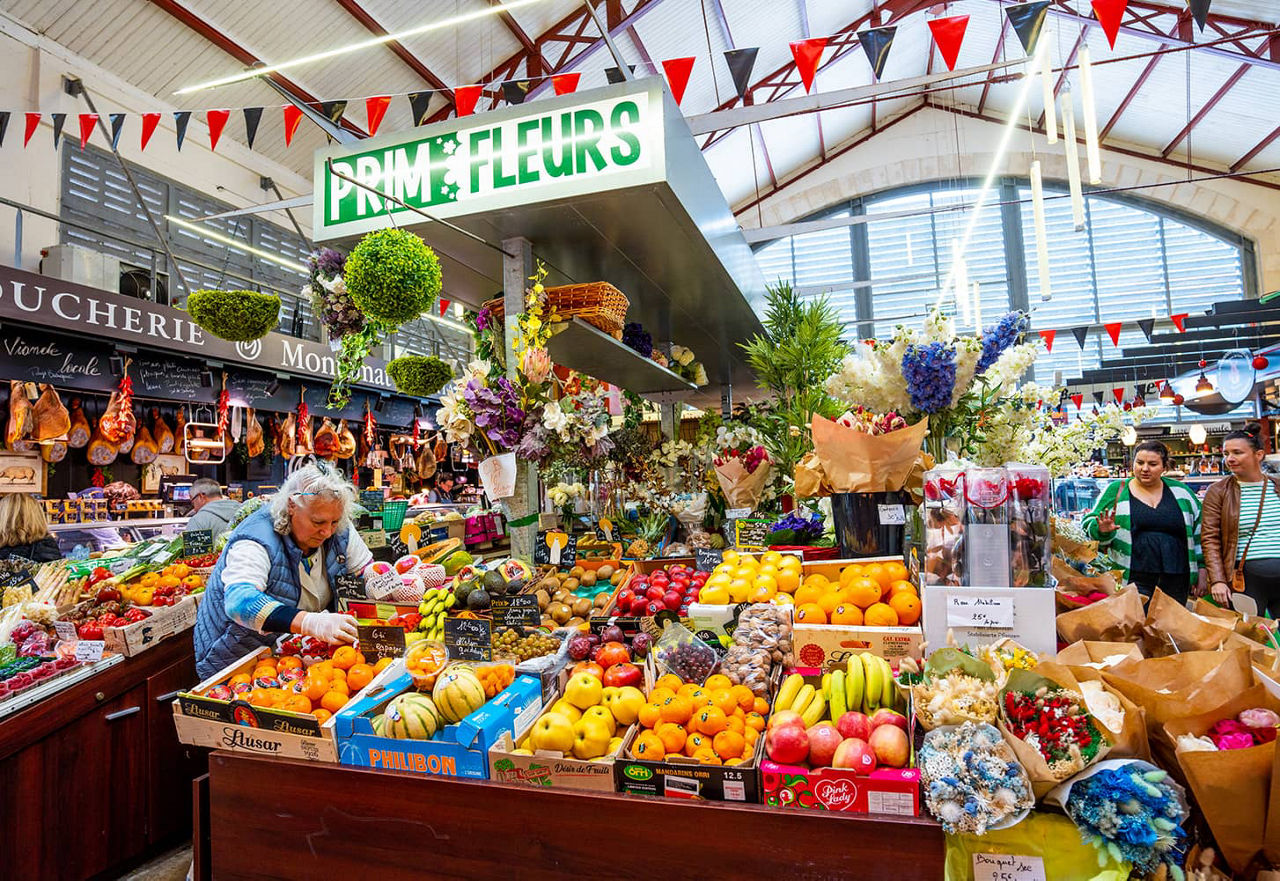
(277, 572)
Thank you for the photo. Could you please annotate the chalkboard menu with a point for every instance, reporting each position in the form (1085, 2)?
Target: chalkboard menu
(32, 356)
(171, 378)
(468, 639)
(197, 542)
(516, 611)
(351, 587)
(379, 641)
(707, 559)
(568, 553)
(751, 534)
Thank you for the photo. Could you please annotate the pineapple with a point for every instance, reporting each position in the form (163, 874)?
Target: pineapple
(638, 549)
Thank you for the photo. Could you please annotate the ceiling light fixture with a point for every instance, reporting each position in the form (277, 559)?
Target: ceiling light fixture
(1167, 393)
(1050, 104)
(1197, 435)
(235, 243)
(1203, 385)
(453, 21)
(1073, 158)
(1042, 236)
(1093, 153)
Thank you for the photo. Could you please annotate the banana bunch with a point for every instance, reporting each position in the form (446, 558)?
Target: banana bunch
(435, 606)
(799, 697)
(864, 685)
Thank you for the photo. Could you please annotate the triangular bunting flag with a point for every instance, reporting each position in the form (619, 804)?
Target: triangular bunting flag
(465, 98)
(1048, 336)
(1110, 13)
(444, 306)
(1147, 326)
(614, 74)
(117, 126)
(149, 123)
(33, 122)
(1119, 393)
(419, 103)
(88, 122)
(376, 107)
(333, 110)
(677, 71)
(292, 117)
(1097, 397)
(1113, 330)
(1200, 12)
(59, 120)
(1081, 334)
(1178, 319)
(515, 91)
(1027, 20)
(807, 54)
(253, 116)
(180, 119)
(876, 43)
(4, 125)
(1078, 400)
(741, 62)
(217, 121)
(565, 83)
(948, 35)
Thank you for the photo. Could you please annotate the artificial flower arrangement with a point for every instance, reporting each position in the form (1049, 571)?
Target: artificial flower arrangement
(565, 496)
(971, 779)
(953, 688)
(1050, 727)
(687, 366)
(327, 290)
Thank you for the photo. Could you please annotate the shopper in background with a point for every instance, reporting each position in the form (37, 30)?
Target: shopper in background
(24, 531)
(209, 510)
(442, 491)
(278, 571)
(1242, 526)
(1150, 525)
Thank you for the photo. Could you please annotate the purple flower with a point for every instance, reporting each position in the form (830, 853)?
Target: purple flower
(930, 372)
(330, 262)
(496, 410)
(995, 340)
(483, 317)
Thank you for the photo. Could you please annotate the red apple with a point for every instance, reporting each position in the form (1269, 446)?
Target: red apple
(824, 739)
(855, 755)
(638, 605)
(889, 717)
(625, 596)
(787, 744)
(655, 592)
(654, 607)
(785, 717)
(854, 724)
(891, 746)
(671, 599)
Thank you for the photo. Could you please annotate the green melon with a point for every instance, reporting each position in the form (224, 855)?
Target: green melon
(458, 693)
(412, 716)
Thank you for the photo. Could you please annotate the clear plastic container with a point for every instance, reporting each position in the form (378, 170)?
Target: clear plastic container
(944, 513)
(1030, 535)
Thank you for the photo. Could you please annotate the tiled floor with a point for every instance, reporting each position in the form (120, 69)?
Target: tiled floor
(171, 866)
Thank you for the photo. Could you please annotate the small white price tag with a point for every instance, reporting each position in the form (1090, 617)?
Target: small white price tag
(893, 515)
(1007, 867)
(737, 513)
(89, 650)
(979, 611)
(66, 630)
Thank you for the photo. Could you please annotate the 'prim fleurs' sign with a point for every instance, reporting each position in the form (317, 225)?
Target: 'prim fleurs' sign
(540, 152)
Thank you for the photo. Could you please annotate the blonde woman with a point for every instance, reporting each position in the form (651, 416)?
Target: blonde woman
(24, 531)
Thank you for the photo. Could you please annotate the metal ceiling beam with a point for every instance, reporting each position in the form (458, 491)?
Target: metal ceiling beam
(360, 14)
(986, 87)
(718, 8)
(1066, 67)
(522, 37)
(245, 57)
(804, 23)
(1253, 154)
(1205, 110)
(1132, 93)
(644, 53)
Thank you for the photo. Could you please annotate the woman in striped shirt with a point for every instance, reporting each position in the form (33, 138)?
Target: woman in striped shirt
(1242, 525)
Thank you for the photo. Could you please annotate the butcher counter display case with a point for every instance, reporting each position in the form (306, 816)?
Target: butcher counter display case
(103, 535)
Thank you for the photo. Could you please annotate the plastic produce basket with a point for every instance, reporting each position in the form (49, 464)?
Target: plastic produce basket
(393, 514)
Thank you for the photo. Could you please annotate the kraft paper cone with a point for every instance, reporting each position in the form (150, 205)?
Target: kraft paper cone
(1171, 628)
(855, 462)
(742, 490)
(1098, 655)
(1180, 685)
(1116, 619)
(811, 480)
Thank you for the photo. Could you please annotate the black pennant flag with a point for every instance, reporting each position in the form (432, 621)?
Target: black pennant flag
(614, 74)
(418, 102)
(117, 125)
(1200, 12)
(1147, 325)
(333, 110)
(1028, 21)
(876, 43)
(180, 119)
(515, 91)
(252, 116)
(1081, 334)
(59, 119)
(4, 125)
(741, 62)
(1097, 397)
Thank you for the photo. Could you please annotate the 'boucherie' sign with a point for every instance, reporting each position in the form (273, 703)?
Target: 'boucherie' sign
(561, 147)
(63, 305)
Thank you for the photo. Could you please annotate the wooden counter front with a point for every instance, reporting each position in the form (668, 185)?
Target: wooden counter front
(277, 818)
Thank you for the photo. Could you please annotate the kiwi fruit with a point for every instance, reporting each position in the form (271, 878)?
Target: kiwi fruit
(575, 621)
(605, 572)
(616, 578)
(544, 599)
(588, 579)
(560, 595)
(602, 600)
(581, 607)
(559, 612)
(571, 584)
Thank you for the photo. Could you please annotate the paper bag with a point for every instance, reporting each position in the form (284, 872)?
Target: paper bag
(811, 480)
(1081, 552)
(1098, 655)
(1071, 581)
(854, 462)
(1116, 619)
(1171, 628)
(742, 490)
(1233, 787)
(1130, 741)
(1180, 685)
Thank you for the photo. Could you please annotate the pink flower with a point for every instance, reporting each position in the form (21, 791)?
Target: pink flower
(1241, 740)
(1228, 726)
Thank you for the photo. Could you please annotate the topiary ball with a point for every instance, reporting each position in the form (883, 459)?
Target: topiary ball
(237, 316)
(392, 276)
(419, 375)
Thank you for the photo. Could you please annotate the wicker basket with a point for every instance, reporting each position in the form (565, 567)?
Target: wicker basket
(598, 303)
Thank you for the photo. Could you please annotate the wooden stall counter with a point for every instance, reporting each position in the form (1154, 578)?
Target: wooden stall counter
(279, 818)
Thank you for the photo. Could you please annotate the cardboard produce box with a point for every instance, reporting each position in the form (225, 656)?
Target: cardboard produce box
(238, 725)
(162, 623)
(680, 777)
(894, 791)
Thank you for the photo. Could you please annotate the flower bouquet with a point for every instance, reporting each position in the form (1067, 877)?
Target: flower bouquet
(327, 290)
(955, 688)
(944, 517)
(688, 367)
(1049, 726)
(971, 779)
(743, 475)
(1029, 526)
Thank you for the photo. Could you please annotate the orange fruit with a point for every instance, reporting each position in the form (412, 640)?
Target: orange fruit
(324, 668)
(707, 756)
(261, 672)
(762, 594)
(881, 615)
(699, 697)
(262, 697)
(333, 701)
(344, 657)
(788, 581)
(851, 572)
(289, 662)
(737, 724)
(907, 606)
(710, 721)
(648, 745)
(239, 678)
(847, 613)
(896, 571)
(295, 703)
(751, 735)
(862, 592)
(760, 706)
(729, 744)
(810, 613)
(723, 699)
(650, 715)
(829, 600)
(809, 593)
(660, 695)
(688, 688)
(677, 709)
(673, 738)
(669, 681)
(315, 687)
(755, 721)
(718, 680)
(746, 697)
(903, 586)
(322, 715)
(695, 742)
(340, 686)
(359, 676)
(383, 663)
(816, 578)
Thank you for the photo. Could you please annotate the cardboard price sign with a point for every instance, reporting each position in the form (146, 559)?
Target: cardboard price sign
(751, 534)
(469, 639)
(1007, 867)
(197, 542)
(371, 500)
(556, 549)
(379, 641)
(707, 559)
(89, 651)
(980, 611)
(516, 611)
(351, 587)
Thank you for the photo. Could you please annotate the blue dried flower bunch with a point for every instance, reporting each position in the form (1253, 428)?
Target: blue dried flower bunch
(1132, 813)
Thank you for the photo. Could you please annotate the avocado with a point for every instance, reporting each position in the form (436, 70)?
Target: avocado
(478, 600)
(494, 583)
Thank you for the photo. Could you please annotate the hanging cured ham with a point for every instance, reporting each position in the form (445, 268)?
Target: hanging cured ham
(180, 431)
(126, 445)
(253, 436)
(161, 432)
(101, 451)
(441, 448)
(145, 448)
(326, 441)
(54, 451)
(289, 436)
(79, 432)
(426, 464)
(118, 423)
(51, 418)
(346, 441)
(20, 418)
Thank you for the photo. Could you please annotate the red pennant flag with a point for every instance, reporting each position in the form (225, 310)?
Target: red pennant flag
(807, 54)
(444, 306)
(292, 116)
(88, 122)
(149, 123)
(1119, 393)
(1048, 337)
(1113, 329)
(216, 120)
(948, 35)
(465, 98)
(1109, 14)
(33, 122)
(565, 83)
(375, 108)
(1078, 400)
(1178, 319)
(677, 71)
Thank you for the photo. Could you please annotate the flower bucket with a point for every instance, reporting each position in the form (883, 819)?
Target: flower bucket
(498, 476)
(870, 524)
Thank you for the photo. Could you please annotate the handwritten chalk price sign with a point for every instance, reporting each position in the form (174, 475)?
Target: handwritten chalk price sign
(556, 549)
(516, 611)
(378, 641)
(468, 639)
(351, 587)
(707, 559)
(197, 542)
(1007, 867)
(980, 611)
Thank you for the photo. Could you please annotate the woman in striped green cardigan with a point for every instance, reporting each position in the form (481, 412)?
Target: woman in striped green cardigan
(1150, 526)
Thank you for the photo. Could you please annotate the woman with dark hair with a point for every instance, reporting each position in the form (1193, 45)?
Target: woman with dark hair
(1242, 526)
(1150, 526)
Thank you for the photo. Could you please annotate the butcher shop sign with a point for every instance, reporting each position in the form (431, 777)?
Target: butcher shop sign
(72, 308)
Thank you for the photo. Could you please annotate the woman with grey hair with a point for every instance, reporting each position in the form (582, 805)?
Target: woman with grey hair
(277, 572)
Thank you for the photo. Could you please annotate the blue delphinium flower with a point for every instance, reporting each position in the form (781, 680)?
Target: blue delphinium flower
(930, 372)
(995, 340)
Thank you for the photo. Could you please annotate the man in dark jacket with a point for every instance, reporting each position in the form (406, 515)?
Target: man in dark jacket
(209, 510)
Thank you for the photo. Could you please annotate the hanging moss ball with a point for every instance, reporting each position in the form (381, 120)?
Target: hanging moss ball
(392, 276)
(419, 375)
(237, 316)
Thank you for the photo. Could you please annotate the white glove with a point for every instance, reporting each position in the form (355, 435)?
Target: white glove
(329, 626)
